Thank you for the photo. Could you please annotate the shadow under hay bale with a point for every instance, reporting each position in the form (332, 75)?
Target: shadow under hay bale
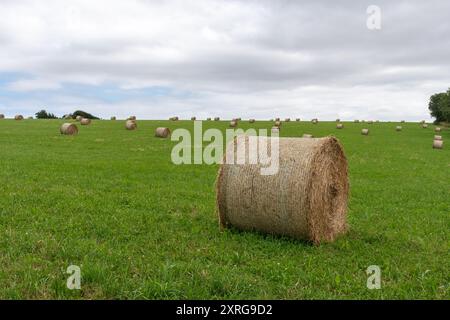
(306, 199)
(162, 132)
(131, 125)
(69, 129)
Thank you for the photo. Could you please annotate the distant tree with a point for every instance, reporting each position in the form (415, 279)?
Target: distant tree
(45, 115)
(83, 114)
(439, 106)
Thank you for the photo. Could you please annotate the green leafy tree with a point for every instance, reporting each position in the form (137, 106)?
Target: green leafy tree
(45, 115)
(439, 106)
(83, 114)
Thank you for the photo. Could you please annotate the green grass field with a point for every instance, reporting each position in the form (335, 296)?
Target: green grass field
(112, 202)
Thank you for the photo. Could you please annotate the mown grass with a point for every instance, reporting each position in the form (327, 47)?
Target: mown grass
(112, 202)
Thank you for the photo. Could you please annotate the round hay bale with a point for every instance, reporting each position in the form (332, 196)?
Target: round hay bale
(69, 129)
(275, 130)
(208, 119)
(437, 129)
(2, 116)
(403, 121)
(338, 120)
(438, 144)
(131, 125)
(297, 119)
(193, 118)
(287, 119)
(436, 137)
(307, 135)
(251, 121)
(162, 132)
(306, 199)
(424, 126)
(314, 121)
(85, 121)
(422, 122)
(78, 118)
(356, 121)
(113, 118)
(398, 128)
(233, 123)
(277, 119)
(173, 119)
(365, 132)
(216, 119)
(277, 124)
(18, 117)
(339, 126)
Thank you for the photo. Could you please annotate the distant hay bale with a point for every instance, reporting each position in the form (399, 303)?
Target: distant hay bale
(438, 144)
(208, 119)
(370, 122)
(217, 119)
(307, 135)
(297, 119)
(339, 126)
(193, 118)
(306, 199)
(315, 121)
(287, 119)
(423, 121)
(437, 129)
(436, 137)
(162, 132)
(69, 129)
(130, 125)
(403, 121)
(363, 121)
(30, 118)
(251, 120)
(398, 128)
(424, 126)
(277, 123)
(113, 118)
(239, 119)
(277, 119)
(85, 121)
(174, 118)
(233, 123)
(18, 117)
(2, 116)
(132, 118)
(338, 120)
(356, 121)
(78, 118)
(365, 132)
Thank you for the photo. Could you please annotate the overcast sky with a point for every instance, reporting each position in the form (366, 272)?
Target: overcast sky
(259, 59)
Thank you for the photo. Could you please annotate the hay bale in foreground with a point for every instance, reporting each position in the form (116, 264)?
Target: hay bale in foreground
(162, 132)
(365, 132)
(85, 121)
(18, 117)
(339, 126)
(233, 123)
(436, 137)
(2, 116)
(437, 129)
(78, 118)
(307, 135)
(131, 125)
(438, 144)
(306, 199)
(398, 128)
(69, 129)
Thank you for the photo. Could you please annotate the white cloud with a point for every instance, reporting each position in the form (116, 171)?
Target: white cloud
(251, 58)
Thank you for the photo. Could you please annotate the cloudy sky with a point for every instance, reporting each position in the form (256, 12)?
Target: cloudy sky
(246, 58)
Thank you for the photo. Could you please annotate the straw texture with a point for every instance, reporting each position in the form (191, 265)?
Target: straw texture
(306, 199)
(18, 117)
(85, 121)
(162, 132)
(130, 125)
(365, 132)
(438, 144)
(69, 129)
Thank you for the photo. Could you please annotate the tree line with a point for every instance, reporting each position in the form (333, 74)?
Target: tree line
(439, 106)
